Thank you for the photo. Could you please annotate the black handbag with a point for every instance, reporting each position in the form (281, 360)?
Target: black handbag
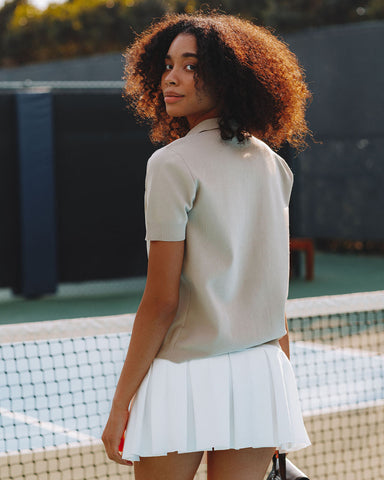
(284, 469)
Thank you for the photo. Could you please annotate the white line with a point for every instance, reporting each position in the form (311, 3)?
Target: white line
(337, 348)
(49, 426)
(62, 450)
(343, 408)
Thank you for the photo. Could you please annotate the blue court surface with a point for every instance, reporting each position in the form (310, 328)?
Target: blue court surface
(58, 392)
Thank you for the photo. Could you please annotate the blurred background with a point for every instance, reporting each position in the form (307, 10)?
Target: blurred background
(72, 206)
(72, 168)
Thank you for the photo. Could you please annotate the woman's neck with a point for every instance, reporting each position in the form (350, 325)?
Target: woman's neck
(194, 120)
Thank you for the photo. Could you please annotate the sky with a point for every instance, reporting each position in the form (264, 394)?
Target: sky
(42, 4)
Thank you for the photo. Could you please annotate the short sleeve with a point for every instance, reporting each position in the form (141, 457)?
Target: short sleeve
(170, 191)
(286, 178)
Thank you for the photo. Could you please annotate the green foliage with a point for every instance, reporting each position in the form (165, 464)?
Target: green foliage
(376, 9)
(250, 9)
(74, 28)
(6, 15)
(83, 27)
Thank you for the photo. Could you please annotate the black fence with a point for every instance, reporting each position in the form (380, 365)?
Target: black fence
(72, 186)
(340, 180)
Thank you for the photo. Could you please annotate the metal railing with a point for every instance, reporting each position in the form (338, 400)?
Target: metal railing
(62, 85)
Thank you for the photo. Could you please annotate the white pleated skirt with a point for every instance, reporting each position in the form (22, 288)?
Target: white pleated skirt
(231, 401)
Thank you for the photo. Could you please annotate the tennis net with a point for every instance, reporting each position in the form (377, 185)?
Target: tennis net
(57, 380)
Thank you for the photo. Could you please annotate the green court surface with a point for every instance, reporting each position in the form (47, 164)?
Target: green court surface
(337, 273)
(334, 274)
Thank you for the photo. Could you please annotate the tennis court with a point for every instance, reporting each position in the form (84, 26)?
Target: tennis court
(58, 378)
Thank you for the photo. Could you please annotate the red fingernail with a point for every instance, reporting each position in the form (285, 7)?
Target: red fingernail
(121, 444)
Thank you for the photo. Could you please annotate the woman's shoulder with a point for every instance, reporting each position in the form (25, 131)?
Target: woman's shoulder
(169, 161)
(163, 155)
(176, 152)
(267, 151)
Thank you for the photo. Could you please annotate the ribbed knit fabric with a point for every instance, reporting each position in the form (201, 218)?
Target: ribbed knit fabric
(229, 201)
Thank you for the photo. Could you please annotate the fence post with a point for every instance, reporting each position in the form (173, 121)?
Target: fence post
(37, 193)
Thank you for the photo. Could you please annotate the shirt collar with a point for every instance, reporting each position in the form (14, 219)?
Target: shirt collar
(205, 125)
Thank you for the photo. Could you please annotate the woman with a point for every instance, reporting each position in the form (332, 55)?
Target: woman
(207, 367)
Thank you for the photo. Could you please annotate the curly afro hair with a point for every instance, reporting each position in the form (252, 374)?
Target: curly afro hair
(257, 79)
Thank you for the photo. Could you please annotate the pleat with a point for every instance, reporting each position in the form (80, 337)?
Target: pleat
(169, 383)
(190, 432)
(237, 400)
(139, 421)
(250, 398)
(289, 430)
(210, 384)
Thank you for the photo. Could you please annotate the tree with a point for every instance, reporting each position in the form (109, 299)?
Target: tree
(82, 27)
(79, 27)
(6, 14)
(376, 9)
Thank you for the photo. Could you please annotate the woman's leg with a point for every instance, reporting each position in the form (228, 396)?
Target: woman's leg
(174, 466)
(243, 464)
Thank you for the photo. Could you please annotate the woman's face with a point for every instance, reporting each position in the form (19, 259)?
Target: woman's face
(182, 97)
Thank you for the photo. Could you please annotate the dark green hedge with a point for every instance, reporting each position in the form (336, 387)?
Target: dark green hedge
(82, 27)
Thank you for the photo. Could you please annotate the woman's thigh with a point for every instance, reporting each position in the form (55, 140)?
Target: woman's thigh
(174, 466)
(242, 464)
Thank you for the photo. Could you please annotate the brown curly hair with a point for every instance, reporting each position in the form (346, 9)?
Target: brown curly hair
(257, 79)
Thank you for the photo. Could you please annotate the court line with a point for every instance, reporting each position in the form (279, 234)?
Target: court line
(350, 352)
(326, 347)
(59, 450)
(343, 408)
(49, 426)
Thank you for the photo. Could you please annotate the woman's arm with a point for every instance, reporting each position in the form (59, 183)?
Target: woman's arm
(284, 341)
(154, 316)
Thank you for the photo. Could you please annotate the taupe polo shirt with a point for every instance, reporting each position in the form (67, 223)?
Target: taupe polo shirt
(229, 201)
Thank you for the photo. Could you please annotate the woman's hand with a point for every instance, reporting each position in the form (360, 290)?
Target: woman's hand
(113, 434)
